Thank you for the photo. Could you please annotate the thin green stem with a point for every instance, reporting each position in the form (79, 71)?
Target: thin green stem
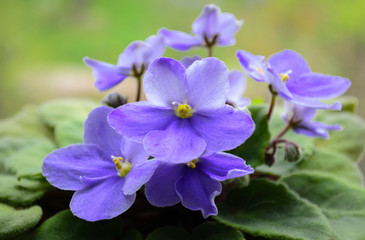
(272, 104)
(285, 130)
(139, 87)
(210, 51)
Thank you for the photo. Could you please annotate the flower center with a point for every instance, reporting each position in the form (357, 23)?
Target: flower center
(285, 76)
(123, 167)
(259, 70)
(183, 110)
(192, 164)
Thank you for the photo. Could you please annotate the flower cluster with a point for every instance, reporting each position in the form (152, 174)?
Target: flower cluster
(174, 142)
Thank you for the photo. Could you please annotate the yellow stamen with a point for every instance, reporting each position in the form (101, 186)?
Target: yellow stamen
(184, 111)
(192, 164)
(284, 77)
(123, 167)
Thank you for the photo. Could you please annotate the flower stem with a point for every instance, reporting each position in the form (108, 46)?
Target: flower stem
(210, 51)
(285, 130)
(139, 86)
(272, 104)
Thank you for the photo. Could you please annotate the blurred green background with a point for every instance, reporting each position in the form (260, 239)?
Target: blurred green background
(43, 42)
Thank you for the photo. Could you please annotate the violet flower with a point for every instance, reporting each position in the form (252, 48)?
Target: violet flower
(106, 170)
(132, 62)
(195, 184)
(212, 27)
(301, 119)
(185, 112)
(290, 76)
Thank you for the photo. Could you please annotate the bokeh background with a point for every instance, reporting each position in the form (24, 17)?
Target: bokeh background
(42, 42)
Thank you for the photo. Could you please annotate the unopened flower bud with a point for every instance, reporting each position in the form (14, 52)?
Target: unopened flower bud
(269, 159)
(292, 152)
(114, 100)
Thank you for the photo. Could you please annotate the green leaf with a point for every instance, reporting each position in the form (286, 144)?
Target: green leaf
(25, 124)
(342, 203)
(133, 234)
(14, 222)
(350, 141)
(29, 160)
(270, 210)
(64, 226)
(334, 163)
(20, 192)
(168, 233)
(69, 132)
(57, 111)
(216, 231)
(253, 150)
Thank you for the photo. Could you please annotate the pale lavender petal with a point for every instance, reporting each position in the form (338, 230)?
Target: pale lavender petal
(97, 131)
(207, 84)
(133, 152)
(299, 112)
(197, 192)
(177, 144)
(237, 86)
(222, 166)
(138, 176)
(316, 129)
(187, 61)
(179, 40)
(254, 66)
(106, 74)
(243, 102)
(102, 201)
(157, 44)
(279, 86)
(135, 54)
(160, 189)
(135, 120)
(314, 103)
(318, 86)
(288, 60)
(225, 129)
(228, 26)
(208, 22)
(164, 82)
(65, 167)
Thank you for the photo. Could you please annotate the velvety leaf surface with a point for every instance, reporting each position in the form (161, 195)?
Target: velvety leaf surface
(270, 210)
(26, 123)
(350, 141)
(14, 222)
(28, 161)
(342, 203)
(335, 163)
(168, 233)
(20, 192)
(56, 111)
(216, 231)
(252, 151)
(69, 132)
(65, 226)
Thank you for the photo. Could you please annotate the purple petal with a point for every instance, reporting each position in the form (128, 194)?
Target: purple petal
(314, 103)
(243, 102)
(179, 40)
(137, 53)
(64, 168)
(237, 86)
(157, 44)
(207, 23)
(299, 112)
(197, 192)
(187, 61)
(222, 166)
(164, 82)
(135, 120)
(207, 84)
(133, 152)
(316, 129)
(279, 85)
(225, 129)
(102, 201)
(288, 60)
(177, 144)
(318, 86)
(138, 176)
(160, 189)
(254, 66)
(107, 75)
(97, 131)
(228, 26)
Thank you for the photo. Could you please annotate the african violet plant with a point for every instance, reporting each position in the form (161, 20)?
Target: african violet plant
(194, 161)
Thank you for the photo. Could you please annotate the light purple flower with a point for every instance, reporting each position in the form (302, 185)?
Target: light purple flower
(106, 170)
(185, 112)
(301, 118)
(196, 183)
(212, 27)
(133, 61)
(290, 76)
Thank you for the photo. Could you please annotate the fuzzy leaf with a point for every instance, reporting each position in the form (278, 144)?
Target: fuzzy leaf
(216, 231)
(269, 210)
(342, 203)
(14, 222)
(169, 232)
(252, 151)
(69, 132)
